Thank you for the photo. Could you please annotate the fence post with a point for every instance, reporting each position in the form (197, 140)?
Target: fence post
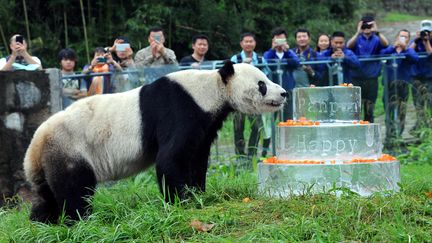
(395, 79)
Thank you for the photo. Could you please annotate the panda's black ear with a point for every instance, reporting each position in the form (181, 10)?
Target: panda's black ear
(226, 71)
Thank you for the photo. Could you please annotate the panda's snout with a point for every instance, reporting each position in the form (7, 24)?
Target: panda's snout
(284, 94)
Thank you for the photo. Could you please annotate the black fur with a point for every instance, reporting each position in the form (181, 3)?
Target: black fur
(178, 134)
(262, 88)
(69, 182)
(226, 71)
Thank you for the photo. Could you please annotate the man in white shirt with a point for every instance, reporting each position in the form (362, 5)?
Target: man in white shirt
(19, 58)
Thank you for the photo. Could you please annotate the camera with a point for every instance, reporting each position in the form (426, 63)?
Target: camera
(365, 25)
(424, 34)
(19, 39)
(101, 60)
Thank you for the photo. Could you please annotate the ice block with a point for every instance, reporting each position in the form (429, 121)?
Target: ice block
(327, 104)
(336, 141)
(282, 180)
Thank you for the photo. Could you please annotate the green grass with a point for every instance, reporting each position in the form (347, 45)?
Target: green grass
(400, 17)
(132, 210)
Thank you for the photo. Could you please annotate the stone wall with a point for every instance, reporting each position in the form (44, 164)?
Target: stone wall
(27, 98)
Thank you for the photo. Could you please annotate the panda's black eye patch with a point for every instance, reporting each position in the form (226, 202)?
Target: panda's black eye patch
(262, 88)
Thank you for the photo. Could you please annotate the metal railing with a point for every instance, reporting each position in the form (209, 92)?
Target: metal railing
(277, 68)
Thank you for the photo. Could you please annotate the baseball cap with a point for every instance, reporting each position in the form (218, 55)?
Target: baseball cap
(426, 25)
(367, 18)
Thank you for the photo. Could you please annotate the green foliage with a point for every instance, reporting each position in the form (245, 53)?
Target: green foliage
(53, 24)
(132, 210)
(420, 153)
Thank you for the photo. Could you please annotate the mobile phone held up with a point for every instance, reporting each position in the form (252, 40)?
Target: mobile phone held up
(280, 42)
(122, 47)
(157, 38)
(19, 39)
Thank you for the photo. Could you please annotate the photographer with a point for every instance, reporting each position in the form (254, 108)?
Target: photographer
(367, 41)
(102, 62)
(122, 52)
(422, 84)
(395, 96)
(337, 51)
(156, 53)
(280, 53)
(19, 58)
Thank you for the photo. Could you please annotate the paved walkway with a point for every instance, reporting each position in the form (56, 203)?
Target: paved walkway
(410, 121)
(390, 29)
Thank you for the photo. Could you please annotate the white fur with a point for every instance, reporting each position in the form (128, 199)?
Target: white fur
(208, 91)
(104, 129)
(205, 87)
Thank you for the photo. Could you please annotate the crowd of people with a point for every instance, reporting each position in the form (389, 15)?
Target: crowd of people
(291, 73)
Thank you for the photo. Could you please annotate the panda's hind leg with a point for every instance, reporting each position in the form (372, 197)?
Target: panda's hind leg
(72, 182)
(44, 206)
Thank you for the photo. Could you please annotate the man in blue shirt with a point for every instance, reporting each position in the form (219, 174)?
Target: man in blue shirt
(247, 55)
(365, 43)
(337, 50)
(305, 74)
(422, 83)
(280, 53)
(395, 96)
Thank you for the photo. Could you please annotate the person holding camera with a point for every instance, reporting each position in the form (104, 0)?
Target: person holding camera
(156, 53)
(102, 62)
(288, 60)
(422, 84)
(366, 42)
(395, 95)
(123, 79)
(19, 57)
(337, 51)
(122, 52)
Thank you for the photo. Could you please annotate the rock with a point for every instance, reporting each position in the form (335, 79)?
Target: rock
(14, 121)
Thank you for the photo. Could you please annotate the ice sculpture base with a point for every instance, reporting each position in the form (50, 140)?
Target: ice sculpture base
(284, 180)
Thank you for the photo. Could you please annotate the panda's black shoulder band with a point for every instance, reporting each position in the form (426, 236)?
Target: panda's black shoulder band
(226, 71)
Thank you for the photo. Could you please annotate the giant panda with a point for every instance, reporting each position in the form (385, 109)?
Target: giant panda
(170, 123)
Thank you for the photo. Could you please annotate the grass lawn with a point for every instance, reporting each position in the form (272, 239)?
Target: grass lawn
(132, 210)
(400, 17)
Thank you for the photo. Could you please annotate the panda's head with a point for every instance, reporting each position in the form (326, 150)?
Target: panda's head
(249, 89)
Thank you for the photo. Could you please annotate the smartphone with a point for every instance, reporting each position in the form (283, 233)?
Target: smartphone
(122, 46)
(157, 38)
(19, 38)
(402, 39)
(281, 41)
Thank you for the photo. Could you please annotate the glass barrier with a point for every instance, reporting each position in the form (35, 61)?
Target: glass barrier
(395, 74)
